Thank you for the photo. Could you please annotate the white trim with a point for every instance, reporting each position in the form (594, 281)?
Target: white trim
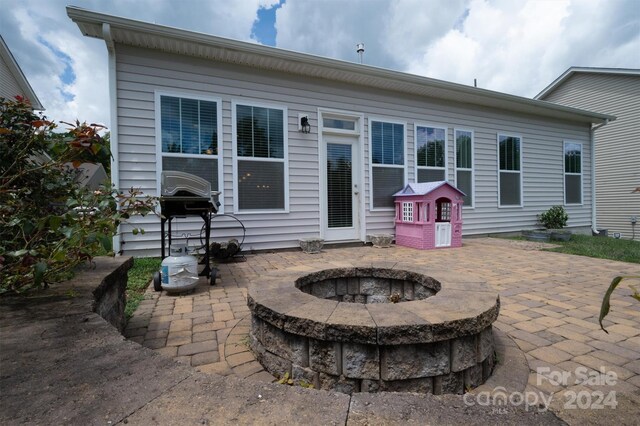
(158, 132)
(473, 165)
(446, 151)
(564, 173)
(235, 157)
(322, 166)
(404, 166)
(520, 172)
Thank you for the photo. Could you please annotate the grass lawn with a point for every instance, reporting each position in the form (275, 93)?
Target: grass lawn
(600, 247)
(139, 277)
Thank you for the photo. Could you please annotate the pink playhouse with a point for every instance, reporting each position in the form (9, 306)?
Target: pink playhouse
(429, 215)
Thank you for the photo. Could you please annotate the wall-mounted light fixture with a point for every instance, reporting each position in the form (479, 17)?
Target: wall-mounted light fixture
(303, 123)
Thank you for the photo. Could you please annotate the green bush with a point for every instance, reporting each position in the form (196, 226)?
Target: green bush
(554, 218)
(48, 223)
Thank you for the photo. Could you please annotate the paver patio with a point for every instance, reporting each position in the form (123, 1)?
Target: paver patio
(549, 306)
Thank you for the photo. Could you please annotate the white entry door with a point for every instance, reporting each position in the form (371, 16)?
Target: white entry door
(443, 234)
(341, 193)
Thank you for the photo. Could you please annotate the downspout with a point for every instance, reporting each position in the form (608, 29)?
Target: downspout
(592, 135)
(115, 165)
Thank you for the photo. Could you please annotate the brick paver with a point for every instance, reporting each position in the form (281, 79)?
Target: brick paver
(549, 305)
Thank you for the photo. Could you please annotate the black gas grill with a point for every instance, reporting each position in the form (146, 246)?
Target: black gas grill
(184, 194)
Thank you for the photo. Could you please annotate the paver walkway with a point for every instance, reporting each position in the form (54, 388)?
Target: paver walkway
(549, 305)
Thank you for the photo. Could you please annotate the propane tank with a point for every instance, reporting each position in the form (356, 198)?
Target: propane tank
(179, 270)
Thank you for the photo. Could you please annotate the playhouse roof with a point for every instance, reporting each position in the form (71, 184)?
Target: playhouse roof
(424, 188)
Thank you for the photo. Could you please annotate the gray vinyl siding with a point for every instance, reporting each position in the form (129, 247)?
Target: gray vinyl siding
(617, 143)
(9, 87)
(140, 72)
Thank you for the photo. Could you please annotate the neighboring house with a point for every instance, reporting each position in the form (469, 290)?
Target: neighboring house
(12, 81)
(230, 112)
(613, 91)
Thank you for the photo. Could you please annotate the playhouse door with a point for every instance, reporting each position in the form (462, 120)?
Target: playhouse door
(341, 193)
(443, 234)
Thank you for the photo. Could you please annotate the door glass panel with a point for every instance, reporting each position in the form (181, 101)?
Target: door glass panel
(339, 186)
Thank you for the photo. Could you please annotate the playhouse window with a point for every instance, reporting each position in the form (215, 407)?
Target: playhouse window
(407, 212)
(443, 210)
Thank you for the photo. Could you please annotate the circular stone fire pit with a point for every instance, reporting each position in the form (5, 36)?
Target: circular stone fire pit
(369, 329)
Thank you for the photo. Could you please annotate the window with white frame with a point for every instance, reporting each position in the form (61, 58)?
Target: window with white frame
(464, 164)
(510, 170)
(431, 148)
(407, 212)
(260, 144)
(387, 162)
(572, 173)
(189, 137)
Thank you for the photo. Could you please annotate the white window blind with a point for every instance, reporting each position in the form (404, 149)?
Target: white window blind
(387, 162)
(572, 173)
(464, 164)
(510, 174)
(430, 153)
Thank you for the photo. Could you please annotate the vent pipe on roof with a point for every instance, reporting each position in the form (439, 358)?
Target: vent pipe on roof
(360, 50)
(475, 83)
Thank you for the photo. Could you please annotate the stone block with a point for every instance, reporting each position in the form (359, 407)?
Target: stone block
(473, 376)
(324, 289)
(397, 287)
(353, 286)
(414, 361)
(274, 364)
(374, 286)
(346, 385)
(327, 381)
(311, 245)
(449, 383)
(487, 367)
(348, 298)
(341, 286)
(377, 299)
(485, 344)
(421, 292)
(275, 340)
(423, 385)
(463, 353)
(299, 347)
(408, 292)
(303, 375)
(360, 298)
(360, 361)
(369, 385)
(325, 357)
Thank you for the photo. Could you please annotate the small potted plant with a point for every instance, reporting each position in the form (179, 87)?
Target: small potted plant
(554, 220)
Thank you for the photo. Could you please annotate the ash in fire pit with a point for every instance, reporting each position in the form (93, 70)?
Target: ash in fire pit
(436, 339)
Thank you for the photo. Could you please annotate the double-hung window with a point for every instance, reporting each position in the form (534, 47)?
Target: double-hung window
(431, 148)
(189, 137)
(261, 158)
(510, 171)
(572, 173)
(387, 162)
(464, 164)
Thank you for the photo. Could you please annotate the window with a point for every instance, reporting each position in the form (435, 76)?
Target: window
(261, 158)
(407, 212)
(572, 173)
(387, 162)
(339, 123)
(431, 148)
(464, 164)
(443, 210)
(189, 131)
(510, 172)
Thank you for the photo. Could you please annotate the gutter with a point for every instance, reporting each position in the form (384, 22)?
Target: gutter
(115, 155)
(592, 136)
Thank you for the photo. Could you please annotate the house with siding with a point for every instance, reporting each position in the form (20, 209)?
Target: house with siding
(231, 112)
(12, 80)
(613, 91)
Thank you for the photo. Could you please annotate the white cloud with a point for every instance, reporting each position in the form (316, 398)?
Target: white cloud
(513, 46)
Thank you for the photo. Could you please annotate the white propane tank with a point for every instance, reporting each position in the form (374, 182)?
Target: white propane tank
(179, 270)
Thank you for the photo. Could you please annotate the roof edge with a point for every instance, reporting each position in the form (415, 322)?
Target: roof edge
(587, 70)
(80, 15)
(17, 73)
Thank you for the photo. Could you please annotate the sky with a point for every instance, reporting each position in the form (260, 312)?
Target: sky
(511, 46)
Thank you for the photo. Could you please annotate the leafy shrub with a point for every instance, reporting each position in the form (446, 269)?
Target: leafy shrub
(48, 223)
(554, 218)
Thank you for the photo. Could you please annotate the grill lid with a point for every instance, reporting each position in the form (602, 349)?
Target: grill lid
(174, 183)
